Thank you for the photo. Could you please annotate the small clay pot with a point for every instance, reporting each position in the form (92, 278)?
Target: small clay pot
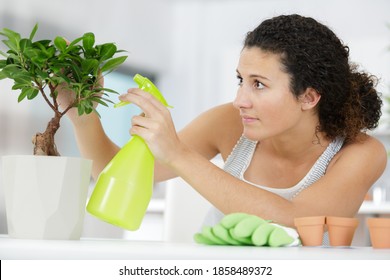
(310, 230)
(341, 230)
(379, 232)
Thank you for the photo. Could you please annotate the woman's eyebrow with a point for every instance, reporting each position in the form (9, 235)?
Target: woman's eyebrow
(254, 75)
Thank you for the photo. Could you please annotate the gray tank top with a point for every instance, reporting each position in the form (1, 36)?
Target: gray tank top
(241, 156)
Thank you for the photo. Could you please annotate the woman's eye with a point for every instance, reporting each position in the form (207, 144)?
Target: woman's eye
(239, 82)
(259, 85)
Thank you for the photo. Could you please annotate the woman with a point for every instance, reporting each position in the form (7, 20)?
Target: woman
(293, 140)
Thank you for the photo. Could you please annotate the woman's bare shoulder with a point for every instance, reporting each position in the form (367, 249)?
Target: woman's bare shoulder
(217, 128)
(226, 127)
(226, 110)
(366, 151)
(351, 173)
(366, 143)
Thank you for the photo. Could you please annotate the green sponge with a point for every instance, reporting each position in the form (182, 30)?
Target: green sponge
(246, 229)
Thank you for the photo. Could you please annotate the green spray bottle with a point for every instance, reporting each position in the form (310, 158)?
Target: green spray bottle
(124, 188)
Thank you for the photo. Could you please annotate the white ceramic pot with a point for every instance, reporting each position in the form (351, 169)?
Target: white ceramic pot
(45, 196)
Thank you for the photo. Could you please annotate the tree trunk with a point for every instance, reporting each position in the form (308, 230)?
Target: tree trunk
(44, 144)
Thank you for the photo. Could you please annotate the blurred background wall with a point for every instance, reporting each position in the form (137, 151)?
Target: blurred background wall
(189, 47)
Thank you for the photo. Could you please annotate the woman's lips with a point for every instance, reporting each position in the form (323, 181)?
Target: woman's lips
(248, 119)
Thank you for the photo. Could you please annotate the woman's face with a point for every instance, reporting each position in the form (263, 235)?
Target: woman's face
(267, 106)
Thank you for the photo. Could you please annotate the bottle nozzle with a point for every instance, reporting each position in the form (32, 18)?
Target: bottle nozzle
(146, 85)
(140, 80)
(120, 104)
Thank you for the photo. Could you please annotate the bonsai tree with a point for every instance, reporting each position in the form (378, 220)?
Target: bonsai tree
(45, 66)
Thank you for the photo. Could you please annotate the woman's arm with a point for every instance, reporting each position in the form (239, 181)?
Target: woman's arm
(339, 192)
(199, 135)
(92, 141)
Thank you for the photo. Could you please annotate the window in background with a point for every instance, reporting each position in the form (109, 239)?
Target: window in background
(116, 122)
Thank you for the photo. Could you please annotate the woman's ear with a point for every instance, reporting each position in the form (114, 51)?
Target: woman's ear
(309, 99)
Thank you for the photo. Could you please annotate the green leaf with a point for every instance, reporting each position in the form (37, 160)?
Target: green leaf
(113, 63)
(13, 37)
(22, 95)
(97, 113)
(76, 72)
(106, 51)
(88, 40)
(42, 44)
(30, 53)
(80, 109)
(31, 93)
(101, 100)
(51, 52)
(9, 33)
(13, 59)
(60, 43)
(2, 75)
(24, 44)
(22, 78)
(75, 41)
(39, 59)
(32, 34)
(73, 50)
(11, 45)
(19, 86)
(60, 78)
(88, 110)
(10, 70)
(107, 90)
(88, 65)
(3, 54)
(90, 53)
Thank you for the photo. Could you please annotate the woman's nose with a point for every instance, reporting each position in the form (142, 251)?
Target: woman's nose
(242, 99)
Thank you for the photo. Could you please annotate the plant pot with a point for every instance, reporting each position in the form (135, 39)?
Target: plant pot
(310, 230)
(341, 230)
(379, 229)
(45, 196)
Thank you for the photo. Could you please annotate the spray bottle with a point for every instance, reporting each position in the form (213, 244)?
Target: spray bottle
(124, 188)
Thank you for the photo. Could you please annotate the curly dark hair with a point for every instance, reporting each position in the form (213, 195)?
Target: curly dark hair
(315, 57)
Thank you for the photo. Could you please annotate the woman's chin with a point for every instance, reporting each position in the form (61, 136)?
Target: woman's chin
(250, 135)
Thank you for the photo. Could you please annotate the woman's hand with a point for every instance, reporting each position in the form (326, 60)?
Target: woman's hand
(155, 126)
(65, 98)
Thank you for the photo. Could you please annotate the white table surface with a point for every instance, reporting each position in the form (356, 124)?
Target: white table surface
(116, 249)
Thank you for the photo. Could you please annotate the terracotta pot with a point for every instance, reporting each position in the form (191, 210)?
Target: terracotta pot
(379, 232)
(310, 230)
(341, 230)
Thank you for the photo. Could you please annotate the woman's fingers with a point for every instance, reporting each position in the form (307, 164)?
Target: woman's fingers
(143, 121)
(147, 102)
(155, 127)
